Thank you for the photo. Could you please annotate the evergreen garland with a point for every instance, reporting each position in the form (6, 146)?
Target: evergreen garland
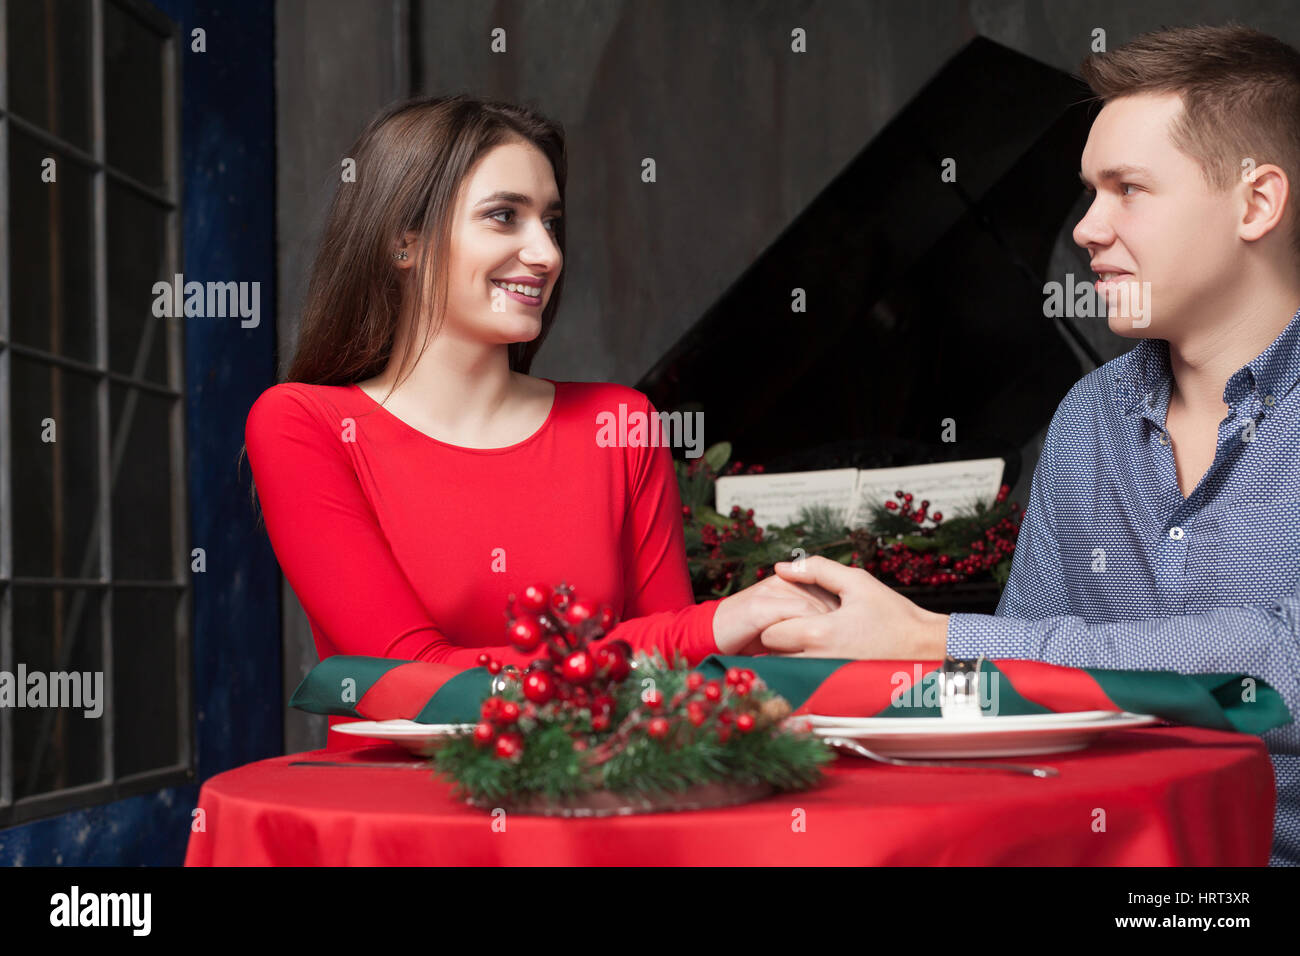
(902, 546)
(562, 757)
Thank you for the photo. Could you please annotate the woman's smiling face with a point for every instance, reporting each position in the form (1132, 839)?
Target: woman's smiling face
(503, 247)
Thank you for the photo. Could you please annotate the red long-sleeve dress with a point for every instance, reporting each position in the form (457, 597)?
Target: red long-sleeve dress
(401, 545)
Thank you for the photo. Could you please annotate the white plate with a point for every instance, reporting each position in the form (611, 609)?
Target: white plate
(919, 724)
(941, 737)
(406, 733)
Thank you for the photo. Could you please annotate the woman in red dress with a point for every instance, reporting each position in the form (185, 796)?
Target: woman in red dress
(411, 474)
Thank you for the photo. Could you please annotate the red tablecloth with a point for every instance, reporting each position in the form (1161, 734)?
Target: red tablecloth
(1170, 796)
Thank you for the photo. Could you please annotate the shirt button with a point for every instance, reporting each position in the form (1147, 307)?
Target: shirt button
(1164, 439)
(1176, 533)
(1268, 399)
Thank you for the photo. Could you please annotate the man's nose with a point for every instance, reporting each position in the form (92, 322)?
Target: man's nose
(1092, 229)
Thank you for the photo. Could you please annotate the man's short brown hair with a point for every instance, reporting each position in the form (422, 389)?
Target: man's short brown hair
(1241, 97)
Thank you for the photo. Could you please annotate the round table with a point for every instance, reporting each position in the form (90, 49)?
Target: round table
(1154, 796)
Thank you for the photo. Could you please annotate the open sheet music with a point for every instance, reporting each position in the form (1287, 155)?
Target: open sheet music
(950, 487)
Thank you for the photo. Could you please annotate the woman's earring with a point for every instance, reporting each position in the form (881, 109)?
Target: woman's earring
(401, 255)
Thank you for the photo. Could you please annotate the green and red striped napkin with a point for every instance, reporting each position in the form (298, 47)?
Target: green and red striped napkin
(380, 688)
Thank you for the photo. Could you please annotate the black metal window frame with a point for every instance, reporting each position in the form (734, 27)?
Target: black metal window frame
(110, 787)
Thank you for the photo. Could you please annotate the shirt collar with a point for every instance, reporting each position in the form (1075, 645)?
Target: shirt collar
(1144, 370)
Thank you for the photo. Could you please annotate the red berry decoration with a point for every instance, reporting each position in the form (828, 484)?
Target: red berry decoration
(509, 746)
(508, 712)
(600, 722)
(525, 633)
(653, 699)
(619, 666)
(579, 667)
(536, 598)
(733, 676)
(713, 691)
(579, 611)
(490, 708)
(697, 713)
(484, 734)
(694, 681)
(657, 728)
(539, 686)
(745, 723)
(483, 659)
(494, 667)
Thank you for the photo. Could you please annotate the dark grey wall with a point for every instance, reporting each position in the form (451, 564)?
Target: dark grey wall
(337, 62)
(744, 133)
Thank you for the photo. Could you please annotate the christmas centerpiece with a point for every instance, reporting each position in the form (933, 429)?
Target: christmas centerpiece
(903, 543)
(587, 729)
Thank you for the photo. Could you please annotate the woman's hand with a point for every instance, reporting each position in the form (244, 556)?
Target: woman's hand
(743, 616)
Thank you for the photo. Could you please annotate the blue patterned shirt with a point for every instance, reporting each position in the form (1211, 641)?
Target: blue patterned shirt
(1115, 569)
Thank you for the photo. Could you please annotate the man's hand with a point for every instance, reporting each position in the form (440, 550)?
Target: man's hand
(741, 617)
(873, 621)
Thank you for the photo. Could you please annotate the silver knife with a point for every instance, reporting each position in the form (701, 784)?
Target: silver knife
(408, 764)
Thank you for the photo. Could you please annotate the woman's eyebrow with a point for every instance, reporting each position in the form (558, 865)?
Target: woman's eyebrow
(520, 198)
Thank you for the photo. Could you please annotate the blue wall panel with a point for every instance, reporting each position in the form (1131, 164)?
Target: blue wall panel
(228, 170)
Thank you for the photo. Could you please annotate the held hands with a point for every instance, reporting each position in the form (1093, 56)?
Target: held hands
(742, 617)
(872, 622)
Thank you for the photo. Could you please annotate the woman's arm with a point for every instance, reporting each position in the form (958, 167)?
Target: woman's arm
(329, 543)
(659, 610)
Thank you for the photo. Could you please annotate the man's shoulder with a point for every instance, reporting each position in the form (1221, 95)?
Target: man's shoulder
(1093, 402)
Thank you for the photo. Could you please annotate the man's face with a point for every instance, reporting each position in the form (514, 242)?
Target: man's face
(1155, 220)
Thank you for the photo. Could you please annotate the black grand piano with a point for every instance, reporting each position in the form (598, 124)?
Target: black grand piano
(924, 297)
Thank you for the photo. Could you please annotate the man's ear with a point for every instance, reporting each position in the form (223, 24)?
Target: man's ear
(1267, 195)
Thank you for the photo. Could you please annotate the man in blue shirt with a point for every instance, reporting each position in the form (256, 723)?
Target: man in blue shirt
(1163, 525)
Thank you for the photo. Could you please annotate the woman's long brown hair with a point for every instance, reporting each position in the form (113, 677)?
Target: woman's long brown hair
(410, 163)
